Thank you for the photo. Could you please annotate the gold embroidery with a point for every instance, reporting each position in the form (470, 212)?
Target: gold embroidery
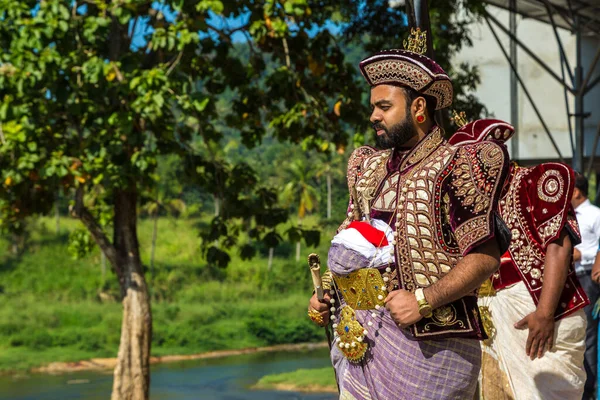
(444, 316)
(470, 231)
(386, 199)
(551, 186)
(374, 171)
(422, 150)
(442, 91)
(406, 72)
(421, 262)
(362, 289)
(475, 179)
(550, 228)
(524, 251)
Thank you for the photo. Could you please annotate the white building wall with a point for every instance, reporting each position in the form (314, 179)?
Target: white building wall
(494, 90)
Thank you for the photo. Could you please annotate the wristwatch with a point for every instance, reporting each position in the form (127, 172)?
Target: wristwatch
(424, 307)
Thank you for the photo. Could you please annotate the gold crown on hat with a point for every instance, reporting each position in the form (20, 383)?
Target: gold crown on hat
(460, 119)
(417, 41)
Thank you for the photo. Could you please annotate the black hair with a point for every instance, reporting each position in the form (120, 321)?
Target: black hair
(581, 183)
(412, 94)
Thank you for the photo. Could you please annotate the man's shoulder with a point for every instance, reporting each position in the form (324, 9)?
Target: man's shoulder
(361, 159)
(481, 158)
(593, 209)
(551, 182)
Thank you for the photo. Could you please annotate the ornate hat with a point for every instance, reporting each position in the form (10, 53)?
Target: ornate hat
(482, 129)
(410, 68)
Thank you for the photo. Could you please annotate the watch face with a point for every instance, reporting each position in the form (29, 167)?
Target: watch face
(425, 310)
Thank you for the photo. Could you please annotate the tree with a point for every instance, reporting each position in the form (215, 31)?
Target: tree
(300, 190)
(92, 93)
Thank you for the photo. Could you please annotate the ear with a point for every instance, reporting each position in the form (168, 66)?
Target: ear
(419, 106)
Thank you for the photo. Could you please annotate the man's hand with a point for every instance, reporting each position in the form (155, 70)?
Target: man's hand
(403, 307)
(576, 254)
(322, 306)
(596, 269)
(541, 333)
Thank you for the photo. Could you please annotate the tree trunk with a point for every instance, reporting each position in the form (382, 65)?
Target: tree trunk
(298, 251)
(132, 373)
(57, 216)
(217, 206)
(298, 243)
(103, 266)
(14, 245)
(153, 248)
(270, 262)
(328, 194)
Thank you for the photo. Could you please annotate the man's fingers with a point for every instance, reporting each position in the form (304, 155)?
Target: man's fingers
(534, 348)
(550, 343)
(522, 324)
(528, 344)
(542, 348)
(390, 296)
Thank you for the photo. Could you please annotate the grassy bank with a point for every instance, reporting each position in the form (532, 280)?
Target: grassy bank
(54, 308)
(302, 380)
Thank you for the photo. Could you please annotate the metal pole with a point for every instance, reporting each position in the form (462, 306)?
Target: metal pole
(579, 126)
(525, 91)
(529, 52)
(418, 17)
(592, 155)
(514, 88)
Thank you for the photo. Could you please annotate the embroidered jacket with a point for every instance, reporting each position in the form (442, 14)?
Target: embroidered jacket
(441, 200)
(536, 207)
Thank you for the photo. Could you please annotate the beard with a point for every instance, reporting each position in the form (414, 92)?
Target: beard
(396, 136)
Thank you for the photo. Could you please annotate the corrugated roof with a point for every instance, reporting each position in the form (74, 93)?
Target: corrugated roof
(567, 14)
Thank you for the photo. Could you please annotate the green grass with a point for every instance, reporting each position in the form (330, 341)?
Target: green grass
(302, 379)
(54, 308)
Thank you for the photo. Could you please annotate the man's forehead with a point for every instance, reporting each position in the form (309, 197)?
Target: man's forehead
(386, 92)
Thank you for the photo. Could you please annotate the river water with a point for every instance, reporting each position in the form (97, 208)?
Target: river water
(216, 379)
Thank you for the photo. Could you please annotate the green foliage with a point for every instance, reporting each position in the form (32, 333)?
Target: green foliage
(54, 308)
(94, 96)
(272, 329)
(80, 243)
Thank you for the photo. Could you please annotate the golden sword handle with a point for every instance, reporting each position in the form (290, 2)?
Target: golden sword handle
(314, 263)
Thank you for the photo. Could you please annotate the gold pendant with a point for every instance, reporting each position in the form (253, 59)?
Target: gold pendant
(351, 335)
(488, 324)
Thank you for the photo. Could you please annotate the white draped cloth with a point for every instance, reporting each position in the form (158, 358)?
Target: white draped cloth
(508, 373)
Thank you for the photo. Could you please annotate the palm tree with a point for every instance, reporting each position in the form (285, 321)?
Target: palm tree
(332, 167)
(300, 190)
(153, 209)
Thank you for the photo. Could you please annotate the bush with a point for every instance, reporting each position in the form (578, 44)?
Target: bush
(269, 327)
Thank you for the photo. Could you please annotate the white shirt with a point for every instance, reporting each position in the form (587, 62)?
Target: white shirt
(588, 217)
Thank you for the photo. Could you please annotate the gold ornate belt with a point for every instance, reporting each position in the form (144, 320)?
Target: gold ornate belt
(363, 289)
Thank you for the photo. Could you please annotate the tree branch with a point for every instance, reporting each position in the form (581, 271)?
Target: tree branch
(287, 53)
(175, 62)
(81, 212)
(2, 138)
(226, 36)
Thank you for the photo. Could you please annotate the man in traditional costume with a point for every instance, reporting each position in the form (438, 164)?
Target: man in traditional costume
(410, 328)
(588, 216)
(533, 305)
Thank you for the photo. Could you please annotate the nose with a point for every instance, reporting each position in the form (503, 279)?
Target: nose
(375, 116)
